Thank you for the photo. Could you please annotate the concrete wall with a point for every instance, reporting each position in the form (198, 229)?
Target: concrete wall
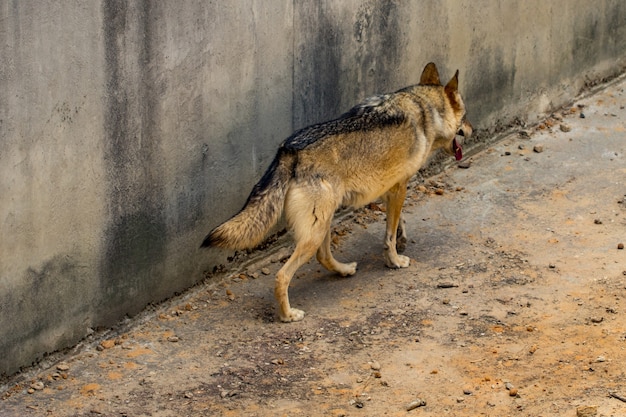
(129, 129)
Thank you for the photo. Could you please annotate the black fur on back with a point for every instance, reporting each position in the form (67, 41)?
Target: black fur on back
(375, 112)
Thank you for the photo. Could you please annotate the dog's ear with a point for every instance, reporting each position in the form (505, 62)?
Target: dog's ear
(430, 75)
(453, 84)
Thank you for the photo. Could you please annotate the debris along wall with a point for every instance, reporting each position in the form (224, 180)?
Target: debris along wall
(129, 129)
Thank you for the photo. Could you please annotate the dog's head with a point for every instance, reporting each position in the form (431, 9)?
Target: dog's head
(457, 127)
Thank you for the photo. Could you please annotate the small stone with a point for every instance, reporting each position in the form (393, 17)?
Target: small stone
(464, 164)
(565, 127)
(189, 395)
(508, 386)
(600, 359)
(538, 148)
(415, 404)
(597, 319)
(30, 391)
(63, 367)
(620, 246)
(265, 271)
(277, 361)
(173, 339)
(587, 411)
(597, 221)
(582, 115)
(375, 366)
(37, 386)
(107, 344)
(513, 392)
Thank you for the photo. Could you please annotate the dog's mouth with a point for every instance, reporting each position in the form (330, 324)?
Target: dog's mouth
(456, 148)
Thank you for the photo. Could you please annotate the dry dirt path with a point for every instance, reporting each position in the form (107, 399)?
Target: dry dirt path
(514, 305)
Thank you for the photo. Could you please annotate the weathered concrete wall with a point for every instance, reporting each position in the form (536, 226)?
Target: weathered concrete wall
(129, 129)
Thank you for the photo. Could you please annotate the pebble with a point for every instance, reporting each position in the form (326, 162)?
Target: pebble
(620, 246)
(107, 344)
(538, 148)
(464, 164)
(173, 339)
(63, 367)
(265, 271)
(415, 404)
(565, 127)
(375, 366)
(587, 411)
(37, 386)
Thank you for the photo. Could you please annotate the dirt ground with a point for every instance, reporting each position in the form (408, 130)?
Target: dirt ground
(514, 305)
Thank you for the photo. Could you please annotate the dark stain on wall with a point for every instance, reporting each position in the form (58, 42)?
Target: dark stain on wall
(136, 235)
(380, 43)
(491, 85)
(47, 300)
(317, 65)
(334, 68)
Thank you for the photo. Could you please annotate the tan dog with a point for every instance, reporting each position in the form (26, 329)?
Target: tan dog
(369, 152)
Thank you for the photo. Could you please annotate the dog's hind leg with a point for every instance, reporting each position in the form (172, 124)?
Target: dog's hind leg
(325, 257)
(394, 199)
(309, 210)
(303, 252)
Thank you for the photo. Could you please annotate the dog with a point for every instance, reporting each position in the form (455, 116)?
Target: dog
(368, 153)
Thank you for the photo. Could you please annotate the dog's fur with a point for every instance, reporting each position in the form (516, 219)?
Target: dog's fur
(369, 152)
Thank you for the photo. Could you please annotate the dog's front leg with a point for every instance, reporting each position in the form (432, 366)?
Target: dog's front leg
(394, 199)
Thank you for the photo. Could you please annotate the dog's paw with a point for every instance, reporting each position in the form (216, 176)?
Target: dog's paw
(347, 269)
(398, 261)
(293, 315)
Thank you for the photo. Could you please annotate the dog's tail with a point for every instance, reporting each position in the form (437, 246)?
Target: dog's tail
(262, 210)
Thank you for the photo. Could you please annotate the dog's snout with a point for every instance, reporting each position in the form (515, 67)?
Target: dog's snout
(466, 129)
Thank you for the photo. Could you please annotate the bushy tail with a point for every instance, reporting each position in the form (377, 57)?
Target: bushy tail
(262, 210)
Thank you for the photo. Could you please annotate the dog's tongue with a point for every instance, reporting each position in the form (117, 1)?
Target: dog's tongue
(458, 152)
